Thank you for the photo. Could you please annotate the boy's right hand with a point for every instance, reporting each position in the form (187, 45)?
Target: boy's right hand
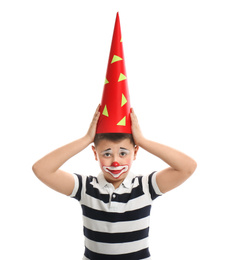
(92, 129)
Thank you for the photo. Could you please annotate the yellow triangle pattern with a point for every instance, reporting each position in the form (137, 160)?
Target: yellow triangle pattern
(106, 81)
(105, 111)
(115, 59)
(123, 101)
(122, 122)
(122, 77)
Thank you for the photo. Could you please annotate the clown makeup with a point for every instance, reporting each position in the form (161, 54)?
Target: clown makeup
(115, 159)
(115, 169)
(116, 172)
(122, 152)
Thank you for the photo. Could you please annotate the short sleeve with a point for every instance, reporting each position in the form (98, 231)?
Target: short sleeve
(153, 187)
(76, 193)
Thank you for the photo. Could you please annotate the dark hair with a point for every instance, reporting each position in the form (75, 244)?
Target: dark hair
(115, 137)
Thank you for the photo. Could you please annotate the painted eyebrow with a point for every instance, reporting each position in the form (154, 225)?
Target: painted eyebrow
(124, 148)
(109, 149)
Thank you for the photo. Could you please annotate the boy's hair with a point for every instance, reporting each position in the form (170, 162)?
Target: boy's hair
(115, 137)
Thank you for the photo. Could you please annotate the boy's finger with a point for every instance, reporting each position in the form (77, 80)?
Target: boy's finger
(97, 109)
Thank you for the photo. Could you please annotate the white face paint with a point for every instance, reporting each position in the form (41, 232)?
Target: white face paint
(116, 172)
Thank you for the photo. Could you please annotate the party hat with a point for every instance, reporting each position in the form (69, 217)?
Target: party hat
(115, 104)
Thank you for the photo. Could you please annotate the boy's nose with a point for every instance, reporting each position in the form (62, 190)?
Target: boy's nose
(115, 164)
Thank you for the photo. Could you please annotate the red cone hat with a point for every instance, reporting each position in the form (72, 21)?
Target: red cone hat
(115, 104)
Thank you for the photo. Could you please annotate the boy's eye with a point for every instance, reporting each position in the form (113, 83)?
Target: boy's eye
(107, 154)
(123, 154)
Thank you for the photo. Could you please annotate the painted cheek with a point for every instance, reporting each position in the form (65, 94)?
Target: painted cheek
(129, 163)
(104, 163)
(127, 160)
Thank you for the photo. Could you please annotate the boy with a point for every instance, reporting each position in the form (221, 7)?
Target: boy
(116, 204)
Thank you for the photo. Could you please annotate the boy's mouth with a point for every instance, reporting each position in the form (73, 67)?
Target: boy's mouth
(116, 172)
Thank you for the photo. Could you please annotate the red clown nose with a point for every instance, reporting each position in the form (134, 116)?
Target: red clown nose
(115, 104)
(115, 164)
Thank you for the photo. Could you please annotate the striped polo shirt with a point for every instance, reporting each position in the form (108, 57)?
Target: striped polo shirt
(116, 221)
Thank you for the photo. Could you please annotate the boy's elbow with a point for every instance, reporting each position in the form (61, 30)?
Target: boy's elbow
(36, 169)
(192, 167)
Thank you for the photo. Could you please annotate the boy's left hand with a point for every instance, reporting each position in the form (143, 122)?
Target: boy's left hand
(136, 130)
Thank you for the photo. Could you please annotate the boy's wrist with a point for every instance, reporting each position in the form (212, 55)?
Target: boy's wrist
(88, 139)
(140, 141)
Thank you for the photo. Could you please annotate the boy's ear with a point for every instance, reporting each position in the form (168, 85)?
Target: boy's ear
(95, 153)
(136, 148)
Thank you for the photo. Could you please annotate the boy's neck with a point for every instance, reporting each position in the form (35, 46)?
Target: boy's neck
(115, 183)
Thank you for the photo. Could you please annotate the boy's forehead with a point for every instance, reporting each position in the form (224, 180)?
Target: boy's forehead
(106, 144)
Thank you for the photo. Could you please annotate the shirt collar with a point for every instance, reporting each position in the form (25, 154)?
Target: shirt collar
(101, 180)
(128, 180)
(126, 183)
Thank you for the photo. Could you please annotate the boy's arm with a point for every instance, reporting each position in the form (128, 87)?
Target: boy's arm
(181, 165)
(47, 168)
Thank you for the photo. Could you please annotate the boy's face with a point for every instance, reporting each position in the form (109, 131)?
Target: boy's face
(115, 159)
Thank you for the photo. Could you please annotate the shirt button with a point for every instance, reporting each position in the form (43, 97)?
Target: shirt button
(114, 195)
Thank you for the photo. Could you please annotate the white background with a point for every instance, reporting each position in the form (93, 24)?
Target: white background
(53, 58)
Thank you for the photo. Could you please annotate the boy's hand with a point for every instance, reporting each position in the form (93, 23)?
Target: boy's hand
(136, 130)
(92, 129)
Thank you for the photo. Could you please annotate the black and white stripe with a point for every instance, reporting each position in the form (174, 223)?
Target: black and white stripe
(116, 222)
